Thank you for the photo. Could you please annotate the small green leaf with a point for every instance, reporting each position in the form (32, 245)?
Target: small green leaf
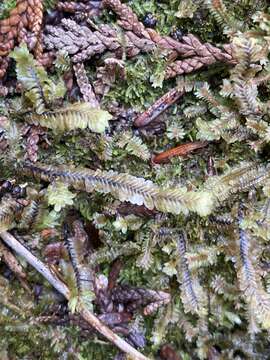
(59, 196)
(170, 268)
(39, 88)
(120, 224)
(50, 219)
(72, 304)
(87, 298)
(98, 120)
(234, 318)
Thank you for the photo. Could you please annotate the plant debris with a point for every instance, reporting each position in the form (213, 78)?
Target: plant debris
(135, 179)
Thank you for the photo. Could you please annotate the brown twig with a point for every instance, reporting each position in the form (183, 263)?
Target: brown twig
(158, 107)
(126, 208)
(180, 150)
(62, 288)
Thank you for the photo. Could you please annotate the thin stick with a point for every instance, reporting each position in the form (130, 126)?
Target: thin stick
(15, 245)
(158, 107)
(181, 150)
(62, 288)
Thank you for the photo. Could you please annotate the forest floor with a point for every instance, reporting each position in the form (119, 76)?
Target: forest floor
(135, 181)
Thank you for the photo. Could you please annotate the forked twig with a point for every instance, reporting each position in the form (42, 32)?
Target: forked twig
(62, 288)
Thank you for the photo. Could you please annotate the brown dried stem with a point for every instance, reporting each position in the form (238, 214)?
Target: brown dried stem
(91, 8)
(181, 150)
(85, 86)
(190, 46)
(82, 43)
(159, 107)
(62, 288)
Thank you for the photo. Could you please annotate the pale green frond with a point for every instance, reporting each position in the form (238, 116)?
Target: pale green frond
(220, 12)
(175, 131)
(145, 260)
(218, 128)
(193, 111)
(202, 256)
(39, 88)
(240, 178)
(59, 196)
(186, 9)
(192, 295)
(250, 282)
(126, 187)
(246, 96)
(74, 116)
(134, 145)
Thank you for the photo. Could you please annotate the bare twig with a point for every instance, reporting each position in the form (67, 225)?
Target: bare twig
(62, 288)
(158, 107)
(181, 150)
(15, 245)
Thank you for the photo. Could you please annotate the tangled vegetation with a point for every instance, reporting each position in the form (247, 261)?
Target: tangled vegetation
(135, 179)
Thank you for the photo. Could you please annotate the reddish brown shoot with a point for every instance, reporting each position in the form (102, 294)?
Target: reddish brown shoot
(181, 150)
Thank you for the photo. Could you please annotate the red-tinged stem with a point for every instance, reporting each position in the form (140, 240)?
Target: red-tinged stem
(180, 150)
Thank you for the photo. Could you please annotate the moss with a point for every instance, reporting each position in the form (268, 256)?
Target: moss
(5, 8)
(215, 251)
